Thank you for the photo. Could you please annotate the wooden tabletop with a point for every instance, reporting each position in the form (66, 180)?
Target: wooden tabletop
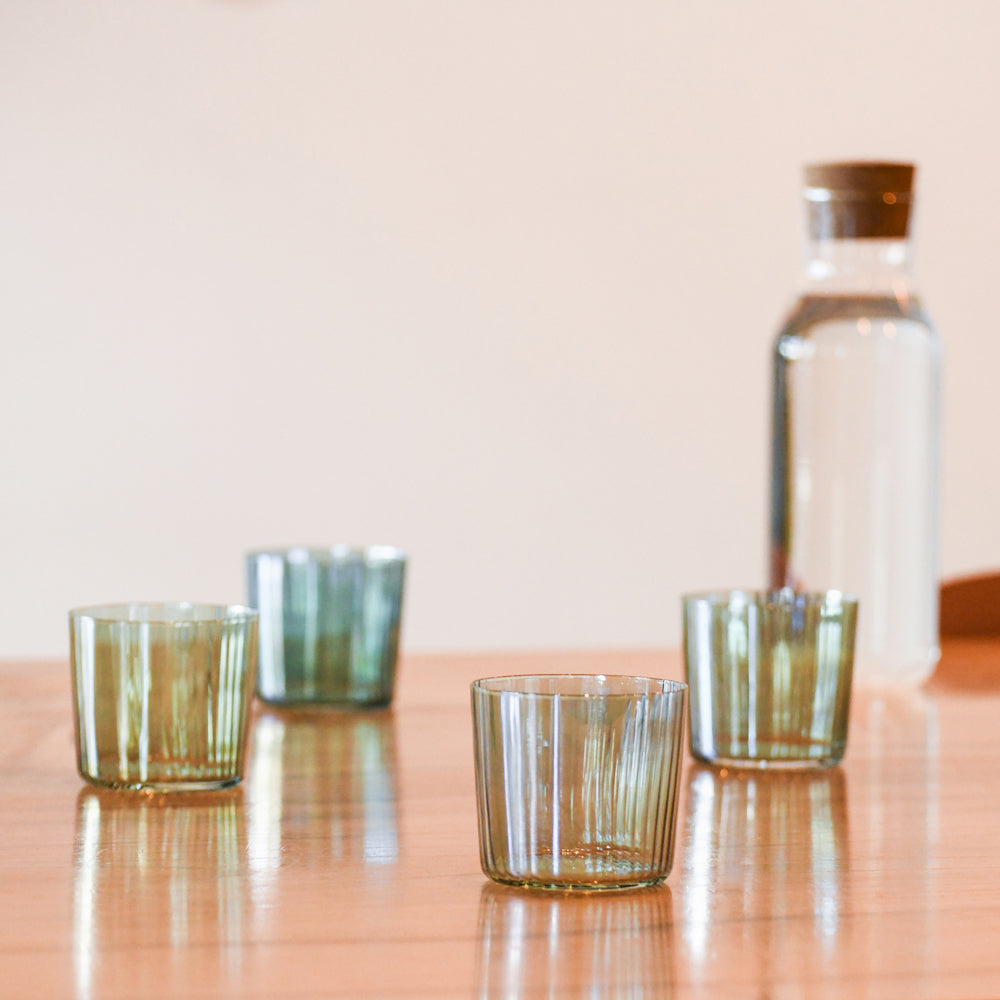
(347, 865)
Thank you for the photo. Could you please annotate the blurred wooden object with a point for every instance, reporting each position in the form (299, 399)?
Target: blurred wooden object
(970, 606)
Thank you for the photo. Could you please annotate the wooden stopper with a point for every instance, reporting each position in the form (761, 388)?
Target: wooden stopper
(859, 200)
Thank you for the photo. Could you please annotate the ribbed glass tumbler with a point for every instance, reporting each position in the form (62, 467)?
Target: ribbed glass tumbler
(329, 623)
(770, 676)
(577, 779)
(162, 694)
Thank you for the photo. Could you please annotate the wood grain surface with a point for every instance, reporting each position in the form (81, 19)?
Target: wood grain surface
(347, 865)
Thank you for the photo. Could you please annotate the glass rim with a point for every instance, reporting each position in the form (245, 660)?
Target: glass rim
(331, 553)
(624, 686)
(776, 598)
(164, 613)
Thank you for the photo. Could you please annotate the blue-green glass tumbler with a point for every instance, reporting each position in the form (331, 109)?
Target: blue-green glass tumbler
(329, 623)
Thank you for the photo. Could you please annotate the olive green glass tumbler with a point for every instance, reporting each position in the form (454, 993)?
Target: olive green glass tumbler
(329, 623)
(770, 676)
(577, 779)
(162, 694)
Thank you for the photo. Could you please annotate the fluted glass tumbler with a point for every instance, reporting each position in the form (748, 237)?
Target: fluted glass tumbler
(329, 623)
(770, 676)
(576, 779)
(162, 694)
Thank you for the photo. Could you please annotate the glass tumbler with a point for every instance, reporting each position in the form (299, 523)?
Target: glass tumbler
(770, 676)
(329, 623)
(162, 693)
(576, 779)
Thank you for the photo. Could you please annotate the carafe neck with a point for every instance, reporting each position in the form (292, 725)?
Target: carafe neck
(859, 267)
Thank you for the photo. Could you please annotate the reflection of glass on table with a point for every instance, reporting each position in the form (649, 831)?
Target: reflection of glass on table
(902, 731)
(330, 775)
(735, 821)
(160, 872)
(574, 944)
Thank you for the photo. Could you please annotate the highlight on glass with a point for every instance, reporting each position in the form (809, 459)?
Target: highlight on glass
(577, 778)
(162, 693)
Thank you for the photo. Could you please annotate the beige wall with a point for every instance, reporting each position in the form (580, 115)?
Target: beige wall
(495, 282)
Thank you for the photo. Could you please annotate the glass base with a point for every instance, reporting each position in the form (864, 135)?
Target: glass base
(586, 868)
(185, 785)
(557, 886)
(759, 763)
(294, 702)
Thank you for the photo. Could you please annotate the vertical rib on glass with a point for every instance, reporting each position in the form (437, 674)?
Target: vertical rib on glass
(576, 779)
